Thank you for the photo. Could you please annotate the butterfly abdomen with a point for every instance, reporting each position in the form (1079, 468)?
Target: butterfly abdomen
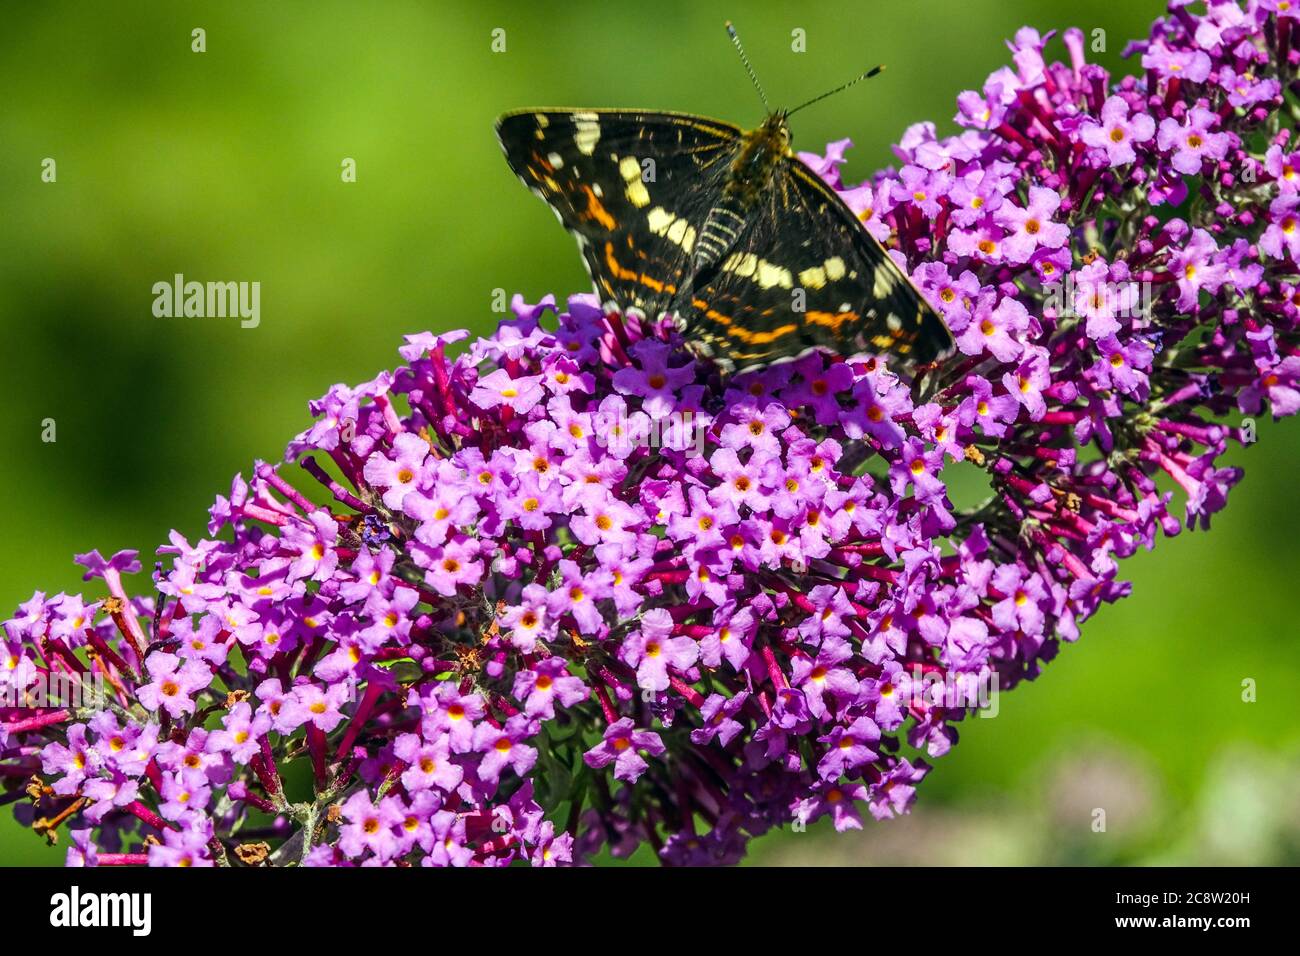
(721, 231)
(749, 178)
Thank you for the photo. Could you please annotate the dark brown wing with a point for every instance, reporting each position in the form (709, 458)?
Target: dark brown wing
(804, 274)
(633, 188)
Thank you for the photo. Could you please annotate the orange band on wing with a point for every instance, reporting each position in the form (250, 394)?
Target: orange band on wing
(596, 211)
(633, 275)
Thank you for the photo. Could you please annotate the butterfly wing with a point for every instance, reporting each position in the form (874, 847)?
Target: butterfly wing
(632, 187)
(803, 275)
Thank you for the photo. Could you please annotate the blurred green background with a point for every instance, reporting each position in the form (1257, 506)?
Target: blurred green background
(225, 165)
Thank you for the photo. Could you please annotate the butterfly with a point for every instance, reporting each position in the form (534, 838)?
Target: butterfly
(727, 231)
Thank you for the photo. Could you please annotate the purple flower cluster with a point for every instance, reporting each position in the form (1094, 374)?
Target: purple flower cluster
(516, 621)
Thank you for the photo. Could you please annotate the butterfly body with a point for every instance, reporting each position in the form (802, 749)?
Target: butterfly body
(725, 230)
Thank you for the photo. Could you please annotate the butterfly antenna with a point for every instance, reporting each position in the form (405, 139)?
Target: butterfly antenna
(731, 32)
(839, 89)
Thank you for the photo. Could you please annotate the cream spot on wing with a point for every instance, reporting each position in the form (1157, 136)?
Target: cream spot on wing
(542, 121)
(834, 268)
(637, 194)
(673, 228)
(747, 265)
(588, 132)
(658, 220)
(682, 233)
(884, 283)
(742, 264)
(629, 168)
(894, 322)
(815, 277)
(556, 160)
(770, 275)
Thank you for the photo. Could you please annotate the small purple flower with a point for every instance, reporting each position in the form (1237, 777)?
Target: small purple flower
(848, 748)
(241, 733)
(403, 472)
(547, 682)
(990, 413)
(1281, 239)
(1192, 141)
(993, 330)
(370, 826)
(499, 389)
(620, 747)
(653, 651)
(428, 764)
(1031, 227)
(504, 747)
(655, 382)
(1117, 131)
(173, 683)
